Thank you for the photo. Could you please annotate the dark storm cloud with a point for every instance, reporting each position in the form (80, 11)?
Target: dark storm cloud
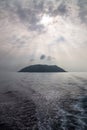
(42, 57)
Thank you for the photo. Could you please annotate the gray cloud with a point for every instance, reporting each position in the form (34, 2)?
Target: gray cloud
(60, 39)
(18, 42)
(83, 10)
(61, 9)
(42, 57)
(32, 60)
(30, 12)
(50, 58)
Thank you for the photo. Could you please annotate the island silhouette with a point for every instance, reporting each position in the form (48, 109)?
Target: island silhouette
(42, 68)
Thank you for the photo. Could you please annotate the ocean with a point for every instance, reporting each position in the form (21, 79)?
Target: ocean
(43, 101)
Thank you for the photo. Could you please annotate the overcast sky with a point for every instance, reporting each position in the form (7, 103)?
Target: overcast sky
(43, 32)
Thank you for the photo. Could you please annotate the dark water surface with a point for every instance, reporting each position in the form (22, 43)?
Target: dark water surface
(55, 101)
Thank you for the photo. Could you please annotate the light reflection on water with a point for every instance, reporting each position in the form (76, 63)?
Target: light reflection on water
(59, 100)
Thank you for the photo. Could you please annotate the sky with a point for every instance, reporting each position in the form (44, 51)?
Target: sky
(50, 32)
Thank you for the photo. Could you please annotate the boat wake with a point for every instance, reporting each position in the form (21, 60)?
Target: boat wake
(69, 114)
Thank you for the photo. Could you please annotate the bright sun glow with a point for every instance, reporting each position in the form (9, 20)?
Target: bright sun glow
(46, 19)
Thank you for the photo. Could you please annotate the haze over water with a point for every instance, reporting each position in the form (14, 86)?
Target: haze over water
(55, 101)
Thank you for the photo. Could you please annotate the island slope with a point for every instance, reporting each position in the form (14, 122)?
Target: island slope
(42, 68)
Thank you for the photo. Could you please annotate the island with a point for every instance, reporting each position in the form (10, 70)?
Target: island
(42, 68)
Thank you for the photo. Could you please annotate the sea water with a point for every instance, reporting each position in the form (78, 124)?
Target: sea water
(43, 101)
